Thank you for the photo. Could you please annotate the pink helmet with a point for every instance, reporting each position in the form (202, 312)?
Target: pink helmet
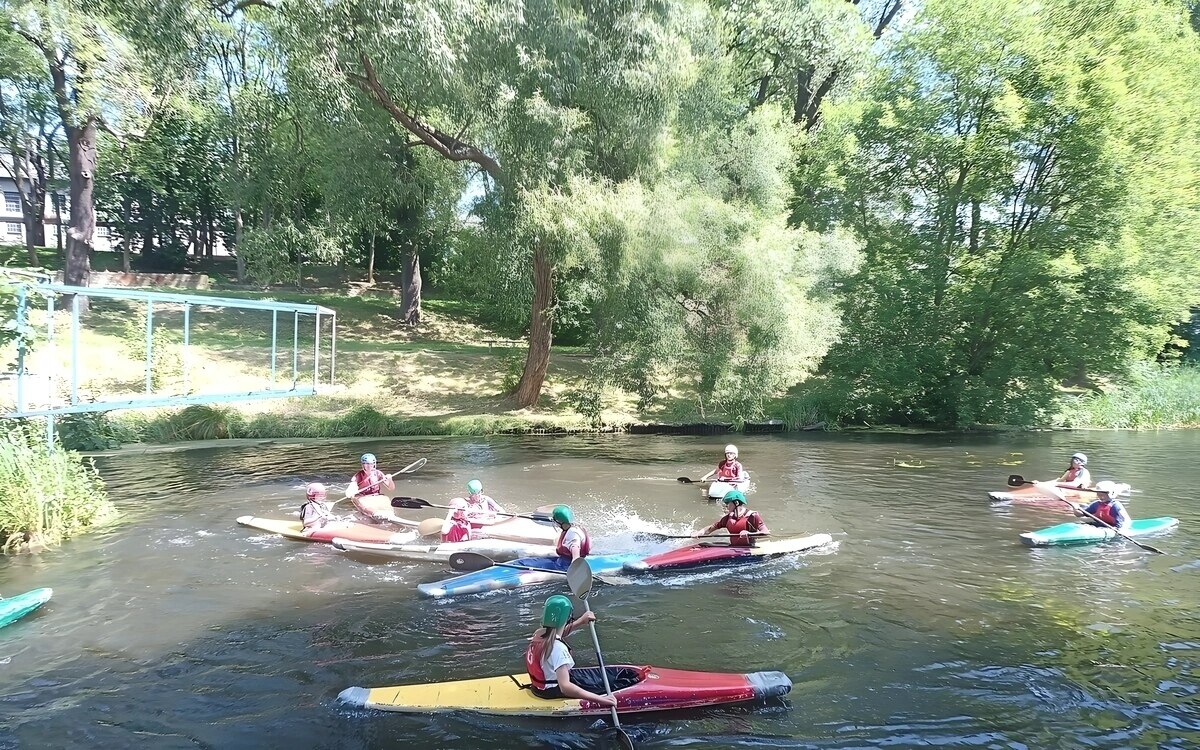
(315, 491)
(460, 508)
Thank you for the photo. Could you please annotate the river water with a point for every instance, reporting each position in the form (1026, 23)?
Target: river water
(928, 624)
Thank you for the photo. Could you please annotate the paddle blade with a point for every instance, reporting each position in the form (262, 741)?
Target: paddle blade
(430, 527)
(1016, 480)
(579, 577)
(540, 518)
(413, 466)
(468, 561)
(619, 739)
(409, 502)
(683, 480)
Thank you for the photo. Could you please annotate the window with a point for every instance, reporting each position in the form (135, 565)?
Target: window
(12, 203)
(102, 232)
(14, 229)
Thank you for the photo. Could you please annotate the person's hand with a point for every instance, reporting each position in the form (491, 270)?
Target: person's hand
(697, 534)
(607, 700)
(743, 532)
(588, 616)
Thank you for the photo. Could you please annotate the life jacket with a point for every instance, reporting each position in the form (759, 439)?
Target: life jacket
(729, 470)
(585, 545)
(460, 531)
(1107, 513)
(751, 522)
(1073, 474)
(309, 510)
(533, 665)
(368, 483)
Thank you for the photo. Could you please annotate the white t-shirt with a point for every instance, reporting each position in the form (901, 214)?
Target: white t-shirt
(573, 538)
(557, 656)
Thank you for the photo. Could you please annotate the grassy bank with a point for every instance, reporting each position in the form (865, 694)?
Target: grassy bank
(1153, 397)
(48, 496)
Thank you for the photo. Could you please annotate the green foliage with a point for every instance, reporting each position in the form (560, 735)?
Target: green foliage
(165, 352)
(91, 431)
(278, 254)
(1151, 397)
(1021, 180)
(49, 495)
(365, 421)
(203, 422)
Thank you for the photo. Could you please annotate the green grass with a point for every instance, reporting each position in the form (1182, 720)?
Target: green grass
(49, 496)
(1153, 397)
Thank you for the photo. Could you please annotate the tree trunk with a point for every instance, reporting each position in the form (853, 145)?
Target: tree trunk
(541, 331)
(411, 301)
(371, 260)
(127, 239)
(238, 225)
(81, 143)
(29, 241)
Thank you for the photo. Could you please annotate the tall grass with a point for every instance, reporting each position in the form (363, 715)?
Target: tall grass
(1153, 397)
(45, 496)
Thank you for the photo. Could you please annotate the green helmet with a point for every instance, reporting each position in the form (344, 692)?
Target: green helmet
(562, 514)
(474, 486)
(734, 496)
(557, 612)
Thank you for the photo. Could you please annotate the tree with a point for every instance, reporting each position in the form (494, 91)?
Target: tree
(1021, 181)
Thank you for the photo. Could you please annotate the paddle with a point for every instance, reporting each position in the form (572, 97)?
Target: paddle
(471, 561)
(416, 502)
(1115, 530)
(656, 535)
(351, 490)
(579, 578)
(1016, 480)
(685, 480)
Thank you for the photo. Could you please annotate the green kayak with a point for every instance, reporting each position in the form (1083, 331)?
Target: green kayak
(16, 607)
(1084, 533)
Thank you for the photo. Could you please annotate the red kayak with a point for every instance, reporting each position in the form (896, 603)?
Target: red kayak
(715, 553)
(654, 689)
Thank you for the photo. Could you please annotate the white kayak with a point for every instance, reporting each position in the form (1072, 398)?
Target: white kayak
(498, 549)
(717, 490)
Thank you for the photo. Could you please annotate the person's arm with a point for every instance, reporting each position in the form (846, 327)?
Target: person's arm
(493, 506)
(575, 624)
(1123, 519)
(386, 482)
(571, 690)
(760, 526)
(711, 527)
(1083, 512)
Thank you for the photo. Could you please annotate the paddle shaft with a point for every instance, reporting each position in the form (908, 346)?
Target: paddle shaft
(1016, 480)
(427, 504)
(704, 536)
(600, 658)
(1115, 530)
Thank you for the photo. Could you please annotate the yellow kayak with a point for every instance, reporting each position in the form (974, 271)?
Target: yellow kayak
(653, 689)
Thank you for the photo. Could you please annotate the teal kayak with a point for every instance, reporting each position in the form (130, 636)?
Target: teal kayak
(544, 570)
(14, 608)
(1083, 533)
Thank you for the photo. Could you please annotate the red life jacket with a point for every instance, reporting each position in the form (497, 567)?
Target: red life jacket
(750, 522)
(1106, 514)
(1072, 474)
(368, 483)
(585, 546)
(533, 665)
(729, 470)
(460, 531)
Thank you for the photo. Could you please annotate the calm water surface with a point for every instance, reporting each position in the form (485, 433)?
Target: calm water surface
(928, 625)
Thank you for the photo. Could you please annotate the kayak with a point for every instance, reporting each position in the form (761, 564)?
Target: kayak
(1031, 493)
(1083, 533)
(511, 529)
(715, 553)
(657, 689)
(497, 549)
(16, 607)
(550, 569)
(717, 490)
(357, 532)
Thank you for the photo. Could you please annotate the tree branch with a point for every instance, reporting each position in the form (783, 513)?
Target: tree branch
(448, 146)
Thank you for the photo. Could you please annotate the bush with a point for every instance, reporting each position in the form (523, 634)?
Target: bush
(49, 495)
(202, 422)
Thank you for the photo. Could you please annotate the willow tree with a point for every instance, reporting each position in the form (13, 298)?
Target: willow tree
(1024, 183)
(531, 95)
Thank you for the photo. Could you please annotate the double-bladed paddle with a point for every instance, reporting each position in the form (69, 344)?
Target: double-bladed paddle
(416, 502)
(1016, 480)
(702, 480)
(579, 578)
(656, 535)
(353, 489)
(471, 561)
(1114, 529)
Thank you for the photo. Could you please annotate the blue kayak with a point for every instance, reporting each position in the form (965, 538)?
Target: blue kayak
(547, 570)
(1084, 533)
(14, 608)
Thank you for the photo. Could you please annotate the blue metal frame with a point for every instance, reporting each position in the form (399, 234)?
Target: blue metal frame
(45, 286)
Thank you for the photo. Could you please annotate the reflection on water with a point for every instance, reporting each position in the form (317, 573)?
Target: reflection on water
(925, 624)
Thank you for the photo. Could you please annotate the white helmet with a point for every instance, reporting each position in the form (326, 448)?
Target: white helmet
(731, 448)
(315, 491)
(1082, 458)
(1107, 487)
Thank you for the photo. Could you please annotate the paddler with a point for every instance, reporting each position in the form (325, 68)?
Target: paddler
(738, 520)
(367, 483)
(573, 542)
(456, 528)
(316, 513)
(548, 660)
(1076, 474)
(1106, 507)
(729, 470)
(481, 508)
